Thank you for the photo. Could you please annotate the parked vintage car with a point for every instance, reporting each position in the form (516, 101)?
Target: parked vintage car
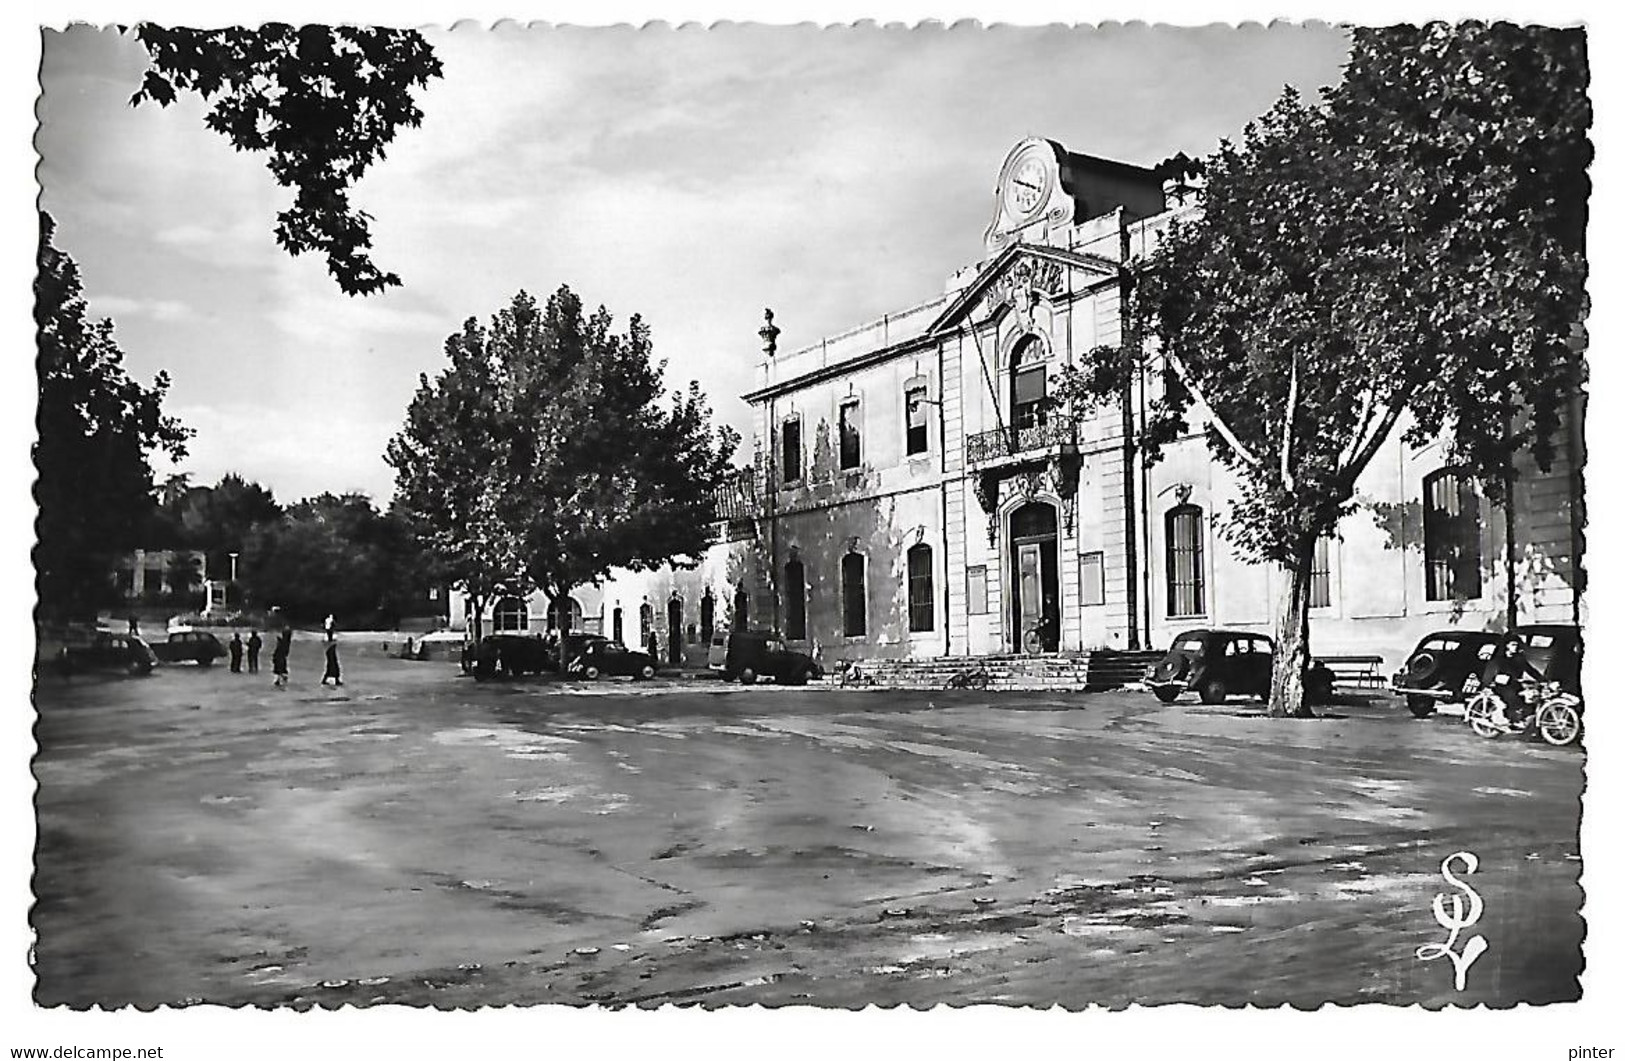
(189, 646)
(107, 651)
(576, 645)
(1445, 667)
(751, 655)
(600, 658)
(1217, 664)
(1551, 649)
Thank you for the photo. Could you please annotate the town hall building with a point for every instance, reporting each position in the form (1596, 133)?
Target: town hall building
(913, 494)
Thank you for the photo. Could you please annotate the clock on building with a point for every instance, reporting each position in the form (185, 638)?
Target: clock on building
(1027, 187)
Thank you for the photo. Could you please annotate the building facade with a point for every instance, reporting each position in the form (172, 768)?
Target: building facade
(913, 495)
(916, 497)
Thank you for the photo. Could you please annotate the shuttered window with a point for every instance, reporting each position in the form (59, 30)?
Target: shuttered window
(1183, 528)
(1451, 535)
(921, 600)
(854, 603)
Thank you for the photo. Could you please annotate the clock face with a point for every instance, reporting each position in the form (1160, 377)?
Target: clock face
(1029, 182)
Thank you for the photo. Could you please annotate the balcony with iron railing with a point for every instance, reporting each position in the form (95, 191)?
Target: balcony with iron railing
(1019, 443)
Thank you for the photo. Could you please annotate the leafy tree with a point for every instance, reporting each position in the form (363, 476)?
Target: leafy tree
(446, 492)
(1413, 247)
(547, 448)
(184, 577)
(327, 554)
(321, 101)
(97, 429)
(218, 519)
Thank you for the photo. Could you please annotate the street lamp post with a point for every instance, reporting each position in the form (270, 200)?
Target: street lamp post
(233, 566)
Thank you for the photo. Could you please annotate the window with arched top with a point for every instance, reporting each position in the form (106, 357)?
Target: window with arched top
(921, 597)
(1029, 384)
(1182, 529)
(854, 601)
(1452, 533)
(564, 614)
(510, 614)
(795, 601)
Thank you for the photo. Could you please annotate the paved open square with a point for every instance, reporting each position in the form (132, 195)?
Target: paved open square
(414, 837)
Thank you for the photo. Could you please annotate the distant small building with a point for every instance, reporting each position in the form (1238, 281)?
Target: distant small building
(152, 574)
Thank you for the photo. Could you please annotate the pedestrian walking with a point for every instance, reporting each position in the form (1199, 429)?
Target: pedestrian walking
(279, 656)
(327, 626)
(135, 625)
(235, 647)
(332, 671)
(254, 643)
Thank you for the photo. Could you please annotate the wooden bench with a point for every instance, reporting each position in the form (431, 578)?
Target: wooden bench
(1355, 670)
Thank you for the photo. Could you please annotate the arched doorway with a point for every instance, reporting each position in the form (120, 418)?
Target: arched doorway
(1035, 583)
(619, 625)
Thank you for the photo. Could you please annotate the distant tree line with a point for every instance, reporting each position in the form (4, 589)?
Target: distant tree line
(333, 553)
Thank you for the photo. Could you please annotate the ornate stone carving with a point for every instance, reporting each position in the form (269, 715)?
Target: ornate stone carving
(1027, 279)
(986, 486)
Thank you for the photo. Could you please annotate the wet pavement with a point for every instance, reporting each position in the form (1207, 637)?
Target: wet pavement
(417, 838)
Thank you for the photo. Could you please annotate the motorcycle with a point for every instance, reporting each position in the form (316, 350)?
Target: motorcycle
(1556, 716)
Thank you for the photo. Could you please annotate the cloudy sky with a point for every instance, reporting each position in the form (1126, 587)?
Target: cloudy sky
(690, 175)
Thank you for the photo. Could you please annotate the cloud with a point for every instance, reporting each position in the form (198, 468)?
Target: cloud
(156, 309)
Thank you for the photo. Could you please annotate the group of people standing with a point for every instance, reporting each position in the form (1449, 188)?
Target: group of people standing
(238, 648)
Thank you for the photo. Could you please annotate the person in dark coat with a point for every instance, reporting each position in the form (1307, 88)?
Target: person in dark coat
(254, 643)
(279, 655)
(331, 673)
(235, 647)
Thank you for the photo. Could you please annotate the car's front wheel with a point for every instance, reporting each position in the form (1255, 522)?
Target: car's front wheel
(747, 676)
(646, 672)
(1420, 706)
(590, 672)
(1213, 691)
(206, 661)
(1167, 693)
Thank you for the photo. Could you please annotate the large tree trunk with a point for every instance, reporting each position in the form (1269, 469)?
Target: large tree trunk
(1291, 662)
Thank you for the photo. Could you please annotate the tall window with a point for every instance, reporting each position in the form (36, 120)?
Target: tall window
(851, 448)
(1028, 384)
(854, 603)
(795, 601)
(619, 626)
(1451, 533)
(790, 444)
(921, 600)
(1320, 575)
(914, 410)
(1183, 531)
(511, 614)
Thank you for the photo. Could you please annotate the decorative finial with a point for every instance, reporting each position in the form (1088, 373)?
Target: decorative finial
(770, 335)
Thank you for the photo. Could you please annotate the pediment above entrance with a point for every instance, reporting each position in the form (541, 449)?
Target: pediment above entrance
(1020, 276)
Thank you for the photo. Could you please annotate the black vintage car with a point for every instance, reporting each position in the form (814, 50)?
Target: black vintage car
(600, 658)
(751, 655)
(1551, 649)
(190, 646)
(1220, 663)
(1445, 666)
(105, 651)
